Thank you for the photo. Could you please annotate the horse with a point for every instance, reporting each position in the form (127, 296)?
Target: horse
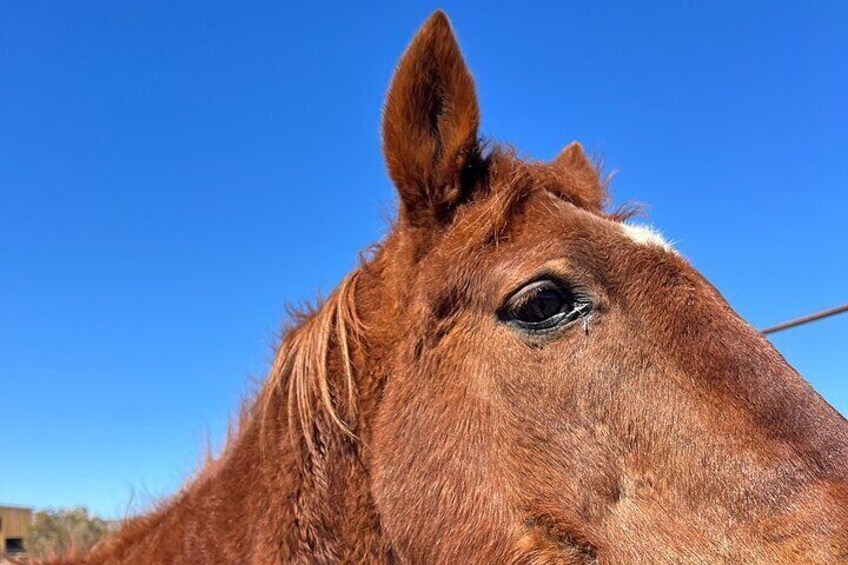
(515, 374)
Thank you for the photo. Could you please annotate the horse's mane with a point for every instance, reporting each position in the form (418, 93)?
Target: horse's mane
(301, 369)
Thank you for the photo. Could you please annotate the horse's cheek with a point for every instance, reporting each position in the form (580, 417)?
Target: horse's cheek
(429, 476)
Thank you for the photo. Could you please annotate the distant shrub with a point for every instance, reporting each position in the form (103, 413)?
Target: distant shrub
(60, 531)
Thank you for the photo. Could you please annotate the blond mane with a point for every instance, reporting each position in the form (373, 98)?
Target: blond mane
(301, 371)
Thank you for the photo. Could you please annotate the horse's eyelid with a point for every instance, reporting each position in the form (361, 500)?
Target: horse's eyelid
(546, 277)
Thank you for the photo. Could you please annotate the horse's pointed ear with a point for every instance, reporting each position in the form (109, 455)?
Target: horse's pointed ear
(430, 126)
(586, 188)
(573, 157)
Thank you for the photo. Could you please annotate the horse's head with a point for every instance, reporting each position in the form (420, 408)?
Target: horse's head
(539, 379)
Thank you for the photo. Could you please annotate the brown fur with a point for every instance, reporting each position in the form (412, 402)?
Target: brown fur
(404, 422)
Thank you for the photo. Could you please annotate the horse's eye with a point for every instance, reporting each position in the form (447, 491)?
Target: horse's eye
(542, 305)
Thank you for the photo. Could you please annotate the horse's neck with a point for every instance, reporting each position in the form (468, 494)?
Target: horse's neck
(264, 505)
(293, 485)
(331, 511)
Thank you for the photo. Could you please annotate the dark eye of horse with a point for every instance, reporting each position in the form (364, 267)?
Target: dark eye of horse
(542, 305)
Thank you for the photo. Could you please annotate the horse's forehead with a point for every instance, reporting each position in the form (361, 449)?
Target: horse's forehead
(646, 235)
(553, 208)
(531, 221)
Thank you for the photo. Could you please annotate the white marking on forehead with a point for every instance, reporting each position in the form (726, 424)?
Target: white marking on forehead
(646, 235)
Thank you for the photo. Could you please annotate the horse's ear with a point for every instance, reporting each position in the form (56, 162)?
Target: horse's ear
(430, 125)
(585, 186)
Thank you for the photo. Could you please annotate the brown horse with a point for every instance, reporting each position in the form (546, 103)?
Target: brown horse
(515, 375)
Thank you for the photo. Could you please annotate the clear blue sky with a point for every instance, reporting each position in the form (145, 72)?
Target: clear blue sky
(172, 174)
